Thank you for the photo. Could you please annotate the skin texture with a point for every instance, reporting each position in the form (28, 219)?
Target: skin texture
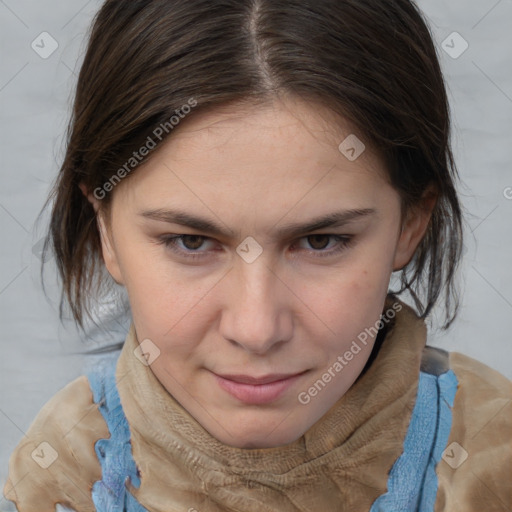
(253, 170)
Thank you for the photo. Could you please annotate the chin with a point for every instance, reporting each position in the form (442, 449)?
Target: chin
(253, 434)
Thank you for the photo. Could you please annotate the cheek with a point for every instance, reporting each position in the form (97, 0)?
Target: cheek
(370, 283)
(170, 307)
(158, 298)
(354, 299)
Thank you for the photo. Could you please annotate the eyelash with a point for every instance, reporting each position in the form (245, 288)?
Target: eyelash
(169, 241)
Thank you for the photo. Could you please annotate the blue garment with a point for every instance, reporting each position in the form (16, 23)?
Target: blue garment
(412, 482)
(117, 465)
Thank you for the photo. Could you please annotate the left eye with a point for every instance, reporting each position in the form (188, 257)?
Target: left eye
(318, 242)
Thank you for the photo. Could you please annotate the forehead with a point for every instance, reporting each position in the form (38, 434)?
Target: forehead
(284, 117)
(285, 152)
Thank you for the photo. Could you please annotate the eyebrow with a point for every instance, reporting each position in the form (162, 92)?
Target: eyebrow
(331, 220)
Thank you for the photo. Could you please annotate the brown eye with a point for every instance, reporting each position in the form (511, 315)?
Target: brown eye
(319, 245)
(192, 242)
(318, 242)
(187, 246)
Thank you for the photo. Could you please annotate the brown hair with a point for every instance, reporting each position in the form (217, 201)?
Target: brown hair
(371, 61)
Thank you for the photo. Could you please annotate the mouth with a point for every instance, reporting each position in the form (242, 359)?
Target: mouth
(257, 390)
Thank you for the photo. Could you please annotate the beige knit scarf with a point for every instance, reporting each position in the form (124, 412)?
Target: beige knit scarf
(340, 464)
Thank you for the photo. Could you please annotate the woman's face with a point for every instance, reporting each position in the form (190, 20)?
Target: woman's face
(286, 251)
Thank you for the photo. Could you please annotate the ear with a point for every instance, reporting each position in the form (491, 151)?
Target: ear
(107, 245)
(414, 228)
(90, 197)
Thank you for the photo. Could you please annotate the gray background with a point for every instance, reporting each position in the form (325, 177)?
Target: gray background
(35, 95)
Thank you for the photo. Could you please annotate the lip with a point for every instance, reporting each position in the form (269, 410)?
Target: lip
(257, 390)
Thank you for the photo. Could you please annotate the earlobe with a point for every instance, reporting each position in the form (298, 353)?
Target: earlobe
(108, 251)
(413, 230)
(107, 247)
(406, 245)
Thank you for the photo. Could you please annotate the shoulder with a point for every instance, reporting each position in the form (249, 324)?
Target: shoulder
(474, 473)
(57, 457)
(483, 400)
(474, 372)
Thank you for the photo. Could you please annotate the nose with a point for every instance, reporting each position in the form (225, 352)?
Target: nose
(258, 312)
